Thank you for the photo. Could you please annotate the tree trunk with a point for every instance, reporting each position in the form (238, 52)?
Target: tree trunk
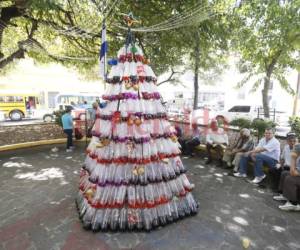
(265, 91)
(196, 69)
(265, 96)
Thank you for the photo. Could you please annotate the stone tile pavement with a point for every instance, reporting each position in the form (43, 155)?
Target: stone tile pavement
(37, 210)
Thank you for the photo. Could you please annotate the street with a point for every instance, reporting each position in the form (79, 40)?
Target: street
(25, 121)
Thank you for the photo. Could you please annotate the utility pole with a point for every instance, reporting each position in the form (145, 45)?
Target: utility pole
(296, 98)
(196, 69)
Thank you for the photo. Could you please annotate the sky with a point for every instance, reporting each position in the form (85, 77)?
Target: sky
(54, 77)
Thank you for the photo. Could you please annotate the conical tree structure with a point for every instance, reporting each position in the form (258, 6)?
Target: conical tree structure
(133, 177)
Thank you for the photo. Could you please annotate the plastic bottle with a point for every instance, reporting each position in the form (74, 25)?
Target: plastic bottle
(97, 220)
(151, 172)
(131, 195)
(131, 218)
(104, 196)
(149, 194)
(174, 210)
(147, 218)
(161, 215)
(123, 219)
(186, 207)
(139, 221)
(120, 172)
(154, 215)
(185, 181)
(114, 222)
(180, 208)
(191, 203)
(106, 218)
(120, 196)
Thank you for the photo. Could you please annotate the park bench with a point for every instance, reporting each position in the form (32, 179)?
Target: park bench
(202, 147)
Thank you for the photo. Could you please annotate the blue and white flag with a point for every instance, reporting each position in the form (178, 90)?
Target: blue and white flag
(103, 52)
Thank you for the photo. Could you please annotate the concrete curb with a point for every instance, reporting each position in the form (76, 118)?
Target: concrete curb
(36, 144)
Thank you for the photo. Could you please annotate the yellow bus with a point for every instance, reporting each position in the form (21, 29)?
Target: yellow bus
(17, 106)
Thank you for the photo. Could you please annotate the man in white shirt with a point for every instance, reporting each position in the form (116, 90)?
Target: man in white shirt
(267, 153)
(217, 139)
(285, 160)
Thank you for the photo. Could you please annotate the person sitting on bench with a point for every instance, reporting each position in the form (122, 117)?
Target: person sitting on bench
(188, 144)
(244, 144)
(289, 187)
(266, 153)
(285, 160)
(217, 139)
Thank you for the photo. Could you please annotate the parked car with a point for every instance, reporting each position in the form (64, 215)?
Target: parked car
(77, 112)
(45, 114)
(252, 112)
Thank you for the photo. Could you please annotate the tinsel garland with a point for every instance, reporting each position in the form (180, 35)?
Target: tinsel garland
(136, 114)
(132, 96)
(132, 79)
(133, 139)
(125, 159)
(135, 204)
(137, 182)
(129, 57)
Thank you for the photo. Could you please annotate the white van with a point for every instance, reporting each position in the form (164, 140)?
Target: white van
(251, 112)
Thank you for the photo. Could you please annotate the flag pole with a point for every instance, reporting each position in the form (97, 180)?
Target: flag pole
(104, 58)
(103, 48)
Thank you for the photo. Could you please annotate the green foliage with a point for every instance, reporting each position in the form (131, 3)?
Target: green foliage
(260, 125)
(69, 33)
(241, 123)
(266, 34)
(294, 122)
(58, 114)
(214, 36)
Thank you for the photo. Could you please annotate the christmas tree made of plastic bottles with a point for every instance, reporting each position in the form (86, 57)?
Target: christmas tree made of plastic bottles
(133, 177)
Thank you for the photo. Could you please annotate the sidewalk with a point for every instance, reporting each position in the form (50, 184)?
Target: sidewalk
(37, 210)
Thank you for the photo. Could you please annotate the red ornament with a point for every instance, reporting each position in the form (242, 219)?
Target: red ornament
(122, 58)
(116, 118)
(141, 78)
(129, 57)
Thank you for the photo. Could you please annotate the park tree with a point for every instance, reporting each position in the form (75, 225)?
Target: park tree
(69, 32)
(206, 43)
(49, 31)
(266, 35)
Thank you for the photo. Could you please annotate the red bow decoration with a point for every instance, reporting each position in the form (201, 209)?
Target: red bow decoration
(116, 117)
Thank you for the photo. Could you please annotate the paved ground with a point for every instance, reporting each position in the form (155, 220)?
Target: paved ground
(37, 210)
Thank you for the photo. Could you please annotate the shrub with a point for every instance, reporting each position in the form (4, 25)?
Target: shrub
(294, 122)
(241, 123)
(260, 125)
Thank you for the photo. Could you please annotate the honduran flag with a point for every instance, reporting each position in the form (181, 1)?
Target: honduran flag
(103, 52)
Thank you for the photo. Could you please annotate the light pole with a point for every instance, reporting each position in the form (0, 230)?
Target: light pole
(295, 109)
